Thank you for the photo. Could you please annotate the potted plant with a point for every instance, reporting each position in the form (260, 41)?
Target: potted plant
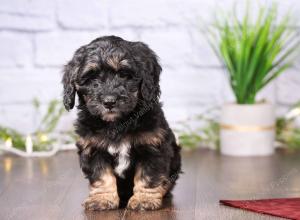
(254, 52)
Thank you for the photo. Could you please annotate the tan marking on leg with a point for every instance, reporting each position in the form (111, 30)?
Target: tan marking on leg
(103, 193)
(145, 198)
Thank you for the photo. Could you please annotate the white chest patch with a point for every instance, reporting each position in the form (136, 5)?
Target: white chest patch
(122, 153)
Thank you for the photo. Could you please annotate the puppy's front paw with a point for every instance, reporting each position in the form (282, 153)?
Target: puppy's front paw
(101, 201)
(144, 202)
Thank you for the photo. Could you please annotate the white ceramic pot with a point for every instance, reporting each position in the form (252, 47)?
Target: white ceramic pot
(247, 130)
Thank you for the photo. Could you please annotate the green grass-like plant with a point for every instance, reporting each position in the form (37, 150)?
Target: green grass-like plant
(287, 131)
(205, 135)
(208, 135)
(254, 51)
(46, 127)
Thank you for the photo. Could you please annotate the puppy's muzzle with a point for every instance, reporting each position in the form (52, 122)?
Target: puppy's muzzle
(109, 101)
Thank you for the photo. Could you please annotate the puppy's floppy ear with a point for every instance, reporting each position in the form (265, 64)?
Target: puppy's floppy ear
(150, 89)
(70, 73)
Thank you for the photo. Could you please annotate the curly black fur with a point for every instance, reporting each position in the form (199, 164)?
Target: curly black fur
(117, 83)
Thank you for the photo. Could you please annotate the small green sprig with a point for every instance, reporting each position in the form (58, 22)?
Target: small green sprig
(287, 133)
(41, 137)
(16, 138)
(205, 135)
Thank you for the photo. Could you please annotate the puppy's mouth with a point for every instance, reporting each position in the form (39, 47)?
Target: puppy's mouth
(110, 115)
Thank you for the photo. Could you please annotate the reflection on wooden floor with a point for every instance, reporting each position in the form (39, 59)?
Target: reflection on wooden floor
(53, 188)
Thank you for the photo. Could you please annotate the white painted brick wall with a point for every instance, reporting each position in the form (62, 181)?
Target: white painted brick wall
(15, 50)
(163, 13)
(55, 49)
(173, 53)
(38, 36)
(82, 14)
(27, 15)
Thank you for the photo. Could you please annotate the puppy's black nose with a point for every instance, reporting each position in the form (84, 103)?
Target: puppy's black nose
(109, 101)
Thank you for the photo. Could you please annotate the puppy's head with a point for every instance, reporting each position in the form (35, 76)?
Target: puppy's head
(110, 76)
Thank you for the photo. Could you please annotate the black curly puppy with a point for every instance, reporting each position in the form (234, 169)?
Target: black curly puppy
(126, 148)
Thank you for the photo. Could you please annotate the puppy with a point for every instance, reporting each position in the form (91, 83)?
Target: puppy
(126, 148)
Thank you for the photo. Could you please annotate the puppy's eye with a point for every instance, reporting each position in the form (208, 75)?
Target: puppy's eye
(87, 77)
(125, 74)
(95, 85)
(84, 80)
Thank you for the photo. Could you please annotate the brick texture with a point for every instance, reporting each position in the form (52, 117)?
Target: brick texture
(39, 36)
(81, 14)
(15, 50)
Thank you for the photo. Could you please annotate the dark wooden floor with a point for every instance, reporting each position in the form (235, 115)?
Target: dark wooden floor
(53, 188)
